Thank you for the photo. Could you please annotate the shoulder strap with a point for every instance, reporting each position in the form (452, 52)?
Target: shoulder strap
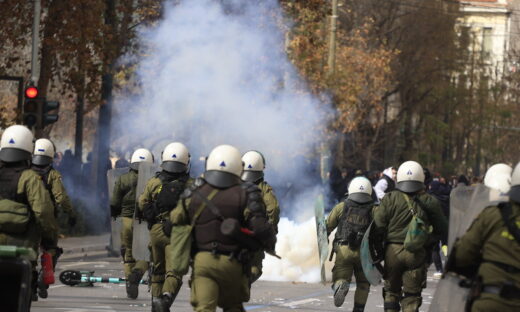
(211, 205)
(506, 211)
(412, 210)
(203, 204)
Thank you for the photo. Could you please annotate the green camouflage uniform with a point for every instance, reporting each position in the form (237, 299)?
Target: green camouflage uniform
(348, 261)
(489, 245)
(405, 272)
(61, 201)
(123, 204)
(272, 209)
(42, 225)
(219, 279)
(163, 279)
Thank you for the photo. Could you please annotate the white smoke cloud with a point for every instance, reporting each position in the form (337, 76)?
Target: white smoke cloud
(212, 77)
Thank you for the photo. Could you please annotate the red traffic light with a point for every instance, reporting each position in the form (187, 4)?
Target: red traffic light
(31, 92)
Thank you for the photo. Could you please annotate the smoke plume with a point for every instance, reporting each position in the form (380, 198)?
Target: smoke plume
(216, 72)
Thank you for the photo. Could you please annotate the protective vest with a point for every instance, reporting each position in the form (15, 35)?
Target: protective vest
(231, 203)
(172, 187)
(390, 183)
(353, 223)
(9, 178)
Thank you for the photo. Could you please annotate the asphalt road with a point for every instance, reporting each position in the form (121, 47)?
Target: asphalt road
(266, 296)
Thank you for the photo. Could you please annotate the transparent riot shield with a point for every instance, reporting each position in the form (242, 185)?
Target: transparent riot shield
(114, 247)
(141, 234)
(466, 203)
(371, 270)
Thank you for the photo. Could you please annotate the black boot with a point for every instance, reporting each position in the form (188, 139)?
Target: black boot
(132, 284)
(42, 288)
(163, 303)
(340, 293)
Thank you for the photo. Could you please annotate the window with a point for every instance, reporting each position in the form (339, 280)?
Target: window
(487, 42)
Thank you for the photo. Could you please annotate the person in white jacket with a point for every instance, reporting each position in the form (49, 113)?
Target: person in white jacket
(386, 183)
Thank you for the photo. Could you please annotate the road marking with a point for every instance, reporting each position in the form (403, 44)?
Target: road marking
(293, 304)
(101, 308)
(56, 286)
(83, 263)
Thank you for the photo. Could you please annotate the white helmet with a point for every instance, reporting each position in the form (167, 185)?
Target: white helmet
(254, 165)
(16, 144)
(175, 158)
(498, 177)
(410, 177)
(43, 152)
(223, 166)
(360, 190)
(140, 155)
(514, 192)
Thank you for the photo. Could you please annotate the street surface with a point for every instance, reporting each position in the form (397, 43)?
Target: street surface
(266, 296)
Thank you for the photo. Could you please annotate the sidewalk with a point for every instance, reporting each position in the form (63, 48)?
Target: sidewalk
(75, 245)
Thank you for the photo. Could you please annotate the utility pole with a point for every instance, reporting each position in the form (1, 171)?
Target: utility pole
(331, 64)
(35, 41)
(331, 60)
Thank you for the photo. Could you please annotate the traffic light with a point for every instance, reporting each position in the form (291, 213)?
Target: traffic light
(32, 107)
(50, 118)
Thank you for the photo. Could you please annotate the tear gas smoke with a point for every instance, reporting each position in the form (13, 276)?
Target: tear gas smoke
(213, 76)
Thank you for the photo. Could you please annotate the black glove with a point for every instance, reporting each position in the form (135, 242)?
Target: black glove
(72, 221)
(167, 228)
(114, 211)
(139, 214)
(149, 213)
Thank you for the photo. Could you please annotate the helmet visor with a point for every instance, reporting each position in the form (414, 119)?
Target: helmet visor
(514, 193)
(41, 160)
(361, 198)
(14, 154)
(410, 186)
(252, 176)
(174, 166)
(221, 179)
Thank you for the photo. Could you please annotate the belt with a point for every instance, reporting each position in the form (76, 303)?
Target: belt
(220, 252)
(506, 291)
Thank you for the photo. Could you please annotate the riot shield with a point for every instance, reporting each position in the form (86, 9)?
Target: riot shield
(141, 234)
(449, 296)
(114, 247)
(466, 203)
(371, 270)
(321, 229)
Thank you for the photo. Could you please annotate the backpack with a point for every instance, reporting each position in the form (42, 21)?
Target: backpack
(353, 224)
(169, 194)
(419, 230)
(15, 213)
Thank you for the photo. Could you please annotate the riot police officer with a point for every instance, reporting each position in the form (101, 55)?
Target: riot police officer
(43, 157)
(254, 166)
(123, 204)
(220, 274)
(159, 198)
(489, 253)
(27, 210)
(352, 218)
(408, 207)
